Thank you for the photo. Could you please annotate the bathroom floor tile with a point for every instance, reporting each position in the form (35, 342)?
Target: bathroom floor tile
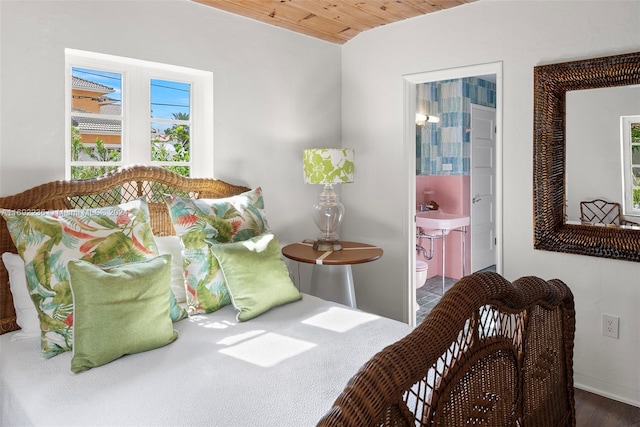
(430, 293)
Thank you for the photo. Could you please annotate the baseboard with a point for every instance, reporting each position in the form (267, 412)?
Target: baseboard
(607, 394)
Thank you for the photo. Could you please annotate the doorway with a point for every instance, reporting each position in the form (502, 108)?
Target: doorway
(411, 83)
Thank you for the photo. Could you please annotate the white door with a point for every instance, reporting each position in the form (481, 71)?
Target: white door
(483, 187)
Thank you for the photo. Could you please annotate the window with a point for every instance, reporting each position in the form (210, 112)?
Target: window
(126, 111)
(630, 126)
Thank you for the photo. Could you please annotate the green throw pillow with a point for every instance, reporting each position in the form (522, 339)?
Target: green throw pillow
(256, 275)
(119, 310)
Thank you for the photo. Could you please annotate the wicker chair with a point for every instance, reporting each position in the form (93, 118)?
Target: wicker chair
(490, 353)
(600, 211)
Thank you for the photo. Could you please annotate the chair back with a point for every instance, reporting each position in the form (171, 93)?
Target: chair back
(490, 353)
(600, 211)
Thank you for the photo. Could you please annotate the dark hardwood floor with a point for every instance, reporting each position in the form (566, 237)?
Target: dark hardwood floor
(593, 410)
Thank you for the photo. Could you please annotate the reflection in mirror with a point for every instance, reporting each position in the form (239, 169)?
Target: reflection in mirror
(552, 83)
(594, 148)
(631, 164)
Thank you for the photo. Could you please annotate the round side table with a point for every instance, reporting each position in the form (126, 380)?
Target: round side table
(331, 278)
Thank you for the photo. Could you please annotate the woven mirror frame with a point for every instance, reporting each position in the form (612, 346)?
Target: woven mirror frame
(551, 83)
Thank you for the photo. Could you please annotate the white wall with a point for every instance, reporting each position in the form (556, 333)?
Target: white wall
(521, 34)
(275, 92)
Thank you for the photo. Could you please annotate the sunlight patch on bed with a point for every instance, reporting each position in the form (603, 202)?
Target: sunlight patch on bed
(339, 319)
(267, 350)
(205, 322)
(235, 339)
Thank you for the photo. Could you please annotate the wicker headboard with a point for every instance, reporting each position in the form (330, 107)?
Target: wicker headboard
(122, 185)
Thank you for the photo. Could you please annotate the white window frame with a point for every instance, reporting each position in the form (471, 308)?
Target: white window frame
(136, 117)
(627, 173)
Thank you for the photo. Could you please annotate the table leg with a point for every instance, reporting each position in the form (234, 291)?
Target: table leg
(333, 283)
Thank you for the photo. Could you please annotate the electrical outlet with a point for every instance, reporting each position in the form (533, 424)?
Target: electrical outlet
(447, 166)
(610, 325)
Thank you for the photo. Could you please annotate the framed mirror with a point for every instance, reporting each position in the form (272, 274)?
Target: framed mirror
(551, 230)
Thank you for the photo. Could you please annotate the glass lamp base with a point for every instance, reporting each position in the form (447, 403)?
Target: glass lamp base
(328, 213)
(327, 245)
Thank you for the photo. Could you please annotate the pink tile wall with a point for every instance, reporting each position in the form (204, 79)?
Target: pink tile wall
(453, 194)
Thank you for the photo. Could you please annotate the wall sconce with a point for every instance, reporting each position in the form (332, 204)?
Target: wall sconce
(328, 166)
(422, 119)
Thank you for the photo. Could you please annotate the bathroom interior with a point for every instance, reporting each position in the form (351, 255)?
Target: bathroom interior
(445, 163)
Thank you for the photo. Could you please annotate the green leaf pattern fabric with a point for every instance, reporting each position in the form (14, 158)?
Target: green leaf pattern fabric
(47, 240)
(203, 223)
(328, 165)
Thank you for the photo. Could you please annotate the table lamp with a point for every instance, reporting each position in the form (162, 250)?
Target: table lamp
(328, 166)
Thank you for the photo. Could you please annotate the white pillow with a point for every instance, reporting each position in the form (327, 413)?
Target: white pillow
(172, 245)
(26, 314)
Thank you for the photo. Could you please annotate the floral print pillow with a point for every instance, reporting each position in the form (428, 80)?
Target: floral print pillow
(47, 240)
(202, 223)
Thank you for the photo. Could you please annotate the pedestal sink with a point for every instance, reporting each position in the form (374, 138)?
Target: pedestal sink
(440, 222)
(436, 225)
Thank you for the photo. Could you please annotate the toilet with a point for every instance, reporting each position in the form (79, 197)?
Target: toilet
(421, 277)
(421, 273)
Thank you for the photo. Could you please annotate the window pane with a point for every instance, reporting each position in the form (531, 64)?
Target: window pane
(92, 136)
(170, 100)
(95, 91)
(170, 126)
(94, 95)
(635, 132)
(635, 154)
(170, 142)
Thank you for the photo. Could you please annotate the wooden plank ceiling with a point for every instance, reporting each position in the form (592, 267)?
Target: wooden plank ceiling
(336, 21)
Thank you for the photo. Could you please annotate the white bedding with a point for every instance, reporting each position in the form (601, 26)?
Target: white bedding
(283, 368)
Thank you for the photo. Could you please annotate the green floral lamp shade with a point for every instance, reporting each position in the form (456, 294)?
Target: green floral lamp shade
(328, 165)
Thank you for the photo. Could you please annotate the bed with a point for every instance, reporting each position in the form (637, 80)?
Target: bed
(283, 367)
(151, 331)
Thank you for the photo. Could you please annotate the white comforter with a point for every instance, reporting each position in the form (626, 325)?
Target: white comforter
(284, 368)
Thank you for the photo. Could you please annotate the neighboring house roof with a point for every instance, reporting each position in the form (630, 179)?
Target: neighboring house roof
(95, 125)
(80, 83)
